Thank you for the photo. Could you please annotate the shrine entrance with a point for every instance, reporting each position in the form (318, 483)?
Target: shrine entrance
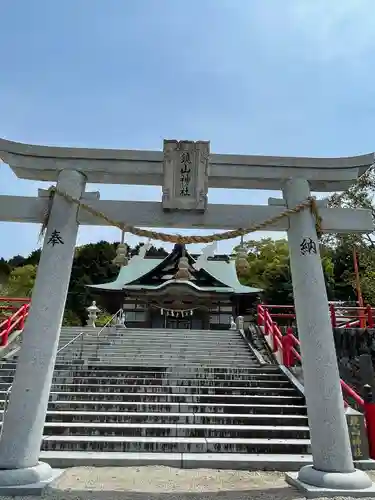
(185, 170)
(178, 323)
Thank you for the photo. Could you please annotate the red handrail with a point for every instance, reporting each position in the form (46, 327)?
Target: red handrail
(287, 344)
(15, 299)
(349, 315)
(13, 323)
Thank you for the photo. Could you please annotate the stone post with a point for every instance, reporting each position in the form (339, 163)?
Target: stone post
(332, 459)
(240, 323)
(23, 424)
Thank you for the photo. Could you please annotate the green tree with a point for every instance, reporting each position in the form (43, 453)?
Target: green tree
(16, 261)
(269, 269)
(5, 270)
(21, 282)
(71, 319)
(92, 265)
(359, 195)
(152, 251)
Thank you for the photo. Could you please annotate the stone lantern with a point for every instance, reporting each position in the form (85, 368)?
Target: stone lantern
(93, 314)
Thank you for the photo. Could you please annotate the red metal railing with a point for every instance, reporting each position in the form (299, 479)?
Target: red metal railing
(341, 316)
(286, 346)
(15, 321)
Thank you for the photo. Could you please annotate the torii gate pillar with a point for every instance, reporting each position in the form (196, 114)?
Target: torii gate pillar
(332, 458)
(24, 419)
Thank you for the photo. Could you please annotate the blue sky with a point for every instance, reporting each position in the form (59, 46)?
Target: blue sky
(290, 77)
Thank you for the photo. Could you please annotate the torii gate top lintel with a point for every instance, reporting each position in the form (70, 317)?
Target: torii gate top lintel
(116, 166)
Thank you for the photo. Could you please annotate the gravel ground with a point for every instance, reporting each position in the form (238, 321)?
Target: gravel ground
(165, 483)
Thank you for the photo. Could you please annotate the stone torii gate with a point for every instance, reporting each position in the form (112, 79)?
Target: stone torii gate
(185, 170)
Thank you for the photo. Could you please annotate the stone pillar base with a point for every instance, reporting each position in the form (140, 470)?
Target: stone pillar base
(315, 484)
(29, 475)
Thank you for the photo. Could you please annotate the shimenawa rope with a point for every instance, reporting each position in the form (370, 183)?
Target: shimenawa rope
(169, 238)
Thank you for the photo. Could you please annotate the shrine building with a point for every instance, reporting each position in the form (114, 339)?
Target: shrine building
(178, 291)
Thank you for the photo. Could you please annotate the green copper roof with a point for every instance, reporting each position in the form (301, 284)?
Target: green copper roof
(128, 274)
(222, 271)
(227, 274)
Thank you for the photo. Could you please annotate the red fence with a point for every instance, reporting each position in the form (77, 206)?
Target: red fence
(287, 346)
(14, 311)
(341, 316)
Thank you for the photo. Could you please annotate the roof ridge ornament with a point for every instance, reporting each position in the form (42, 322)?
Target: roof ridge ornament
(208, 251)
(143, 249)
(183, 273)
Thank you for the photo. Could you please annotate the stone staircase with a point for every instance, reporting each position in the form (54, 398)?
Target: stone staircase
(188, 396)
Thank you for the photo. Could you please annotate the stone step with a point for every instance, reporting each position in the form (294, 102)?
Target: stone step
(221, 461)
(276, 381)
(167, 339)
(177, 417)
(208, 358)
(151, 382)
(174, 444)
(185, 364)
(60, 404)
(171, 340)
(180, 374)
(167, 354)
(150, 349)
(175, 430)
(169, 389)
(177, 398)
(172, 350)
(85, 340)
(122, 330)
(157, 332)
(166, 375)
(158, 392)
(109, 370)
(156, 335)
(168, 360)
(236, 338)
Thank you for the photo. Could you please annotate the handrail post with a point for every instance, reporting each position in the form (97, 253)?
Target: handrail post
(290, 342)
(273, 335)
(4, 337)
(266, 325)
(286, 351)
(260, 314)
(81, 349)
(369, 411)
(23, 316)
(370, 319)
(333, 315)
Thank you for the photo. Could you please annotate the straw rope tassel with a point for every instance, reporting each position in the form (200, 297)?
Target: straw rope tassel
(47, 213)
(318, 219)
